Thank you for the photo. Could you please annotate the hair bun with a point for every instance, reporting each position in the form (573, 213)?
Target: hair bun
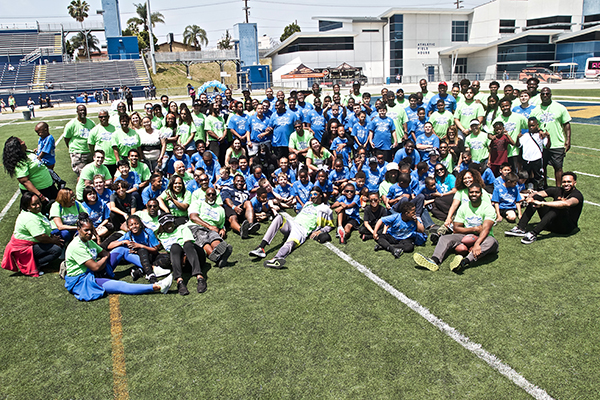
(83, 216)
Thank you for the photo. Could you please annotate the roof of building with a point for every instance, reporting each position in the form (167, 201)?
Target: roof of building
(571, 35)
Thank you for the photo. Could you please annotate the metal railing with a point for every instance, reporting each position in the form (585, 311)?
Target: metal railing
(196, 56)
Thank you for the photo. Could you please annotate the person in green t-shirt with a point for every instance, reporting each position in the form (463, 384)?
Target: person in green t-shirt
(32, 226)
(299, 139)
(64, 213)
(76, 135)
(32, 173)
(478, 143)
(473, 235)
(187, 131)
(125, 139)
(140, 168)
(441, 119)
(468, 110)
(198, 119)
(101, 138)
(176, 200)
(85, 261)
(89, 171)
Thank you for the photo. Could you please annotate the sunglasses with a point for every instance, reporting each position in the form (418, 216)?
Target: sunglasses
(211, 195)
(152, 206)
(348, 191)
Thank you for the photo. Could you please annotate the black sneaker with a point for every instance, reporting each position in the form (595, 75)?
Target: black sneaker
(378, 247)
(223, 260)
(136, 273)
(434, 237)
(515, 231)
(182, 289)
(201, 285)
(244, 228)
(218, 251)
(254, 228)
(397, 253)
(151, 278)
(529, 238)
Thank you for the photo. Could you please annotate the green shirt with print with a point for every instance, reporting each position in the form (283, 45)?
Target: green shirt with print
(199, 120)
(185, 132)
(479, 146)
(78, 253)
(298, 142)
(467, 111)
(182, 198)
(213, 215)
(102, 138)
(142, 170)
(216, 125)
(125, 141)
(35, 171)
(513, 124)
(471, 216)
(78, 133)
(180, 235)
(87, 174)
(552, 118)
(29, 225)
(441, 122)
(67, 215)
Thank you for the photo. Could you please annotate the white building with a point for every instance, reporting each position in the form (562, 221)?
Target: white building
(445, 44)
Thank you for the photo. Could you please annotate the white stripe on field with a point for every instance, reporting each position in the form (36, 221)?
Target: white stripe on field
(586, 174)
(464, 341)
(18, 192)
(587, 148)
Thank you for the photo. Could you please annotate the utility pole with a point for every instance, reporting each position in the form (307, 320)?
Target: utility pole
(150, 37)
(246, 9)
(457, 2)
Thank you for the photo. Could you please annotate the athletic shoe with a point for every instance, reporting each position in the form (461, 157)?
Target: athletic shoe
(254, 228)
(397, 253)
(434, 237)
(217, 252)
(165, 284)
(244, 227)
(258, 252)
(276, 263)
(223, 260)
(158, 271)
(136, 273)
(515, 231)
(201, 285)
(151, 278)
(529, 238)
(378, 247)
(182, 289)
(442, 230)
(341, 234)
(425, 262)
(455, 263)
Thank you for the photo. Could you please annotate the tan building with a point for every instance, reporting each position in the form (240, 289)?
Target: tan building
(174, 47)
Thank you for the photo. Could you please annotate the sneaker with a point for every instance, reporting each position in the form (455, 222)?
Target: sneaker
(425, 262)
(254, 228)
(165, 284)
(442, 230)
(151, 278)
(434, 237)
(515, 231)
(378, 247)
(397, 253)
(244, 227)
(136, 273)
(455, 263)
(217, 252)
(529, 238)
(201, 285)
(223, 260)
(182, 289)
(258, 252)
(276, 263)
(158, 271)
(341, 234)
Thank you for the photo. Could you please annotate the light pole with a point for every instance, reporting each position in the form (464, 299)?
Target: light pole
(150, 37)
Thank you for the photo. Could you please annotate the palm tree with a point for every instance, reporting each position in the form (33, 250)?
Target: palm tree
(195, 36)
(142, 18)
(79, 11)
(91, 43)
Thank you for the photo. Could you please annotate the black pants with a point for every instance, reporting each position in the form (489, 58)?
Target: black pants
(280, 151)
(148, 259)
(535, 170)
(195, 257)
(389, 243)
(45, 253)
(367, 233)
(552, 219)
(441, 207)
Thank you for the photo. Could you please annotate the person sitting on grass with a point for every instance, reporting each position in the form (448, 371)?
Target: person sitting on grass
(98, 212)
(260, 205)
(125, 173)
(122, 205)
(86, 263)
(561, 215)
(208, 228)
(507, 199)
(101, 188)
(153, 190)
(139, 246)
(283, 192)
(176, 200)
(179, 242)
(338, 177)
(374, 211)
(32, 246)
(323, 183)
(475, 217)
(63, 214)
(347, 207)
(314, 221)
(301, 189)
(402, 231)
(238, 209)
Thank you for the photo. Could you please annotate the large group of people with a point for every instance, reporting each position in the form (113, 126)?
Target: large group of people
(163, 188)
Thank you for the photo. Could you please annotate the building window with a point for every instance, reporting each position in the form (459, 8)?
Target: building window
(325, 26)
(370, 30)
(591, 20)
(396, 45)
(556, 22)
(460, 31)
(319, 44)
(534, 49)
(461, 66)
(507, 26)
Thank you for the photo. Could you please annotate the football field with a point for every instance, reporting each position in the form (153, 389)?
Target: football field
(341, 321)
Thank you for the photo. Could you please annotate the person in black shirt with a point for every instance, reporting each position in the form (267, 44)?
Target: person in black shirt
(122, 205)
(559, 216)
(373, 213)
(238, 209)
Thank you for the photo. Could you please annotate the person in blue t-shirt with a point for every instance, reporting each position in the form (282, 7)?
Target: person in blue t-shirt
(340, 146)
(260, 204)
(210, 166)
(252, 180)
(360, 131)
(284, 192)
(505, 169)
(46, 145)
(442, 94)
(338, 177)
(284, 168)
(301, 189)
(416, 127)
(347, 207)
(418, 175)
(373, 176)
(98, 212)
(408, 151)
(427, 141)
(315, 120)
(127, 175)
(237, 124)
(507, 199)
(323, 183)
(382, 133)
(282, 124)
(153, 190)
(257, 126)
(411, 110)
(178, 155)
(403, 230)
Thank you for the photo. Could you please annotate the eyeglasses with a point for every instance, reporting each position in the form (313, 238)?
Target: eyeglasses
(203, 180)
(374, 201)
(348, 191)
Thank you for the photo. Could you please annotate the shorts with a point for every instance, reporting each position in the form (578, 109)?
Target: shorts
(203, 235)
(230, 212)
(79, 160)
(554, 157)
(503, 211)
(355, 224)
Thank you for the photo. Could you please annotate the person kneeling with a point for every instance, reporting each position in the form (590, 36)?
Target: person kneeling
(474, 217)
(401, 231)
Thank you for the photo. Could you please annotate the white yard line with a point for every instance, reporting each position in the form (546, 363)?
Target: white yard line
(587, 148)
(459, 338)
(586, 174)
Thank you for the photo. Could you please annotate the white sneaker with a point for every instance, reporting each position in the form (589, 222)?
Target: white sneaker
(158, 271)
(165, 284)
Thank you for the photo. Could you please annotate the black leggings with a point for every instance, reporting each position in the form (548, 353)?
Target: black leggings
(147, 259)
(195, 257)
(45, 253)
(390, 243)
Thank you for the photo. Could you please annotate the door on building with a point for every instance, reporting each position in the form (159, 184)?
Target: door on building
(431, 73)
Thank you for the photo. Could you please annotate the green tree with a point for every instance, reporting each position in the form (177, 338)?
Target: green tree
(78, 10)
(195, 36)
(225, 42)
(78, 41)
(142, 18)
(289, 31)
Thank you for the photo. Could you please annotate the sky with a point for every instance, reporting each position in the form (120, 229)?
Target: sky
(212, 15)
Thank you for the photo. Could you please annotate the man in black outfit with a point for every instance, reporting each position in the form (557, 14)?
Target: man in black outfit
(559, 216)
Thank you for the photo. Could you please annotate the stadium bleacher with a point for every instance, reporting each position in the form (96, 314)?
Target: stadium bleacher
(20, 78)
(97, 74)
(18, 45)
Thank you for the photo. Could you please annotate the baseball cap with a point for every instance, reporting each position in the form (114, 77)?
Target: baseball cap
(433, 152)
(355, 83)
(196, 103)
(474, 121)
(165, 219)
(443, 84)
(392, 166)
(372, 160)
